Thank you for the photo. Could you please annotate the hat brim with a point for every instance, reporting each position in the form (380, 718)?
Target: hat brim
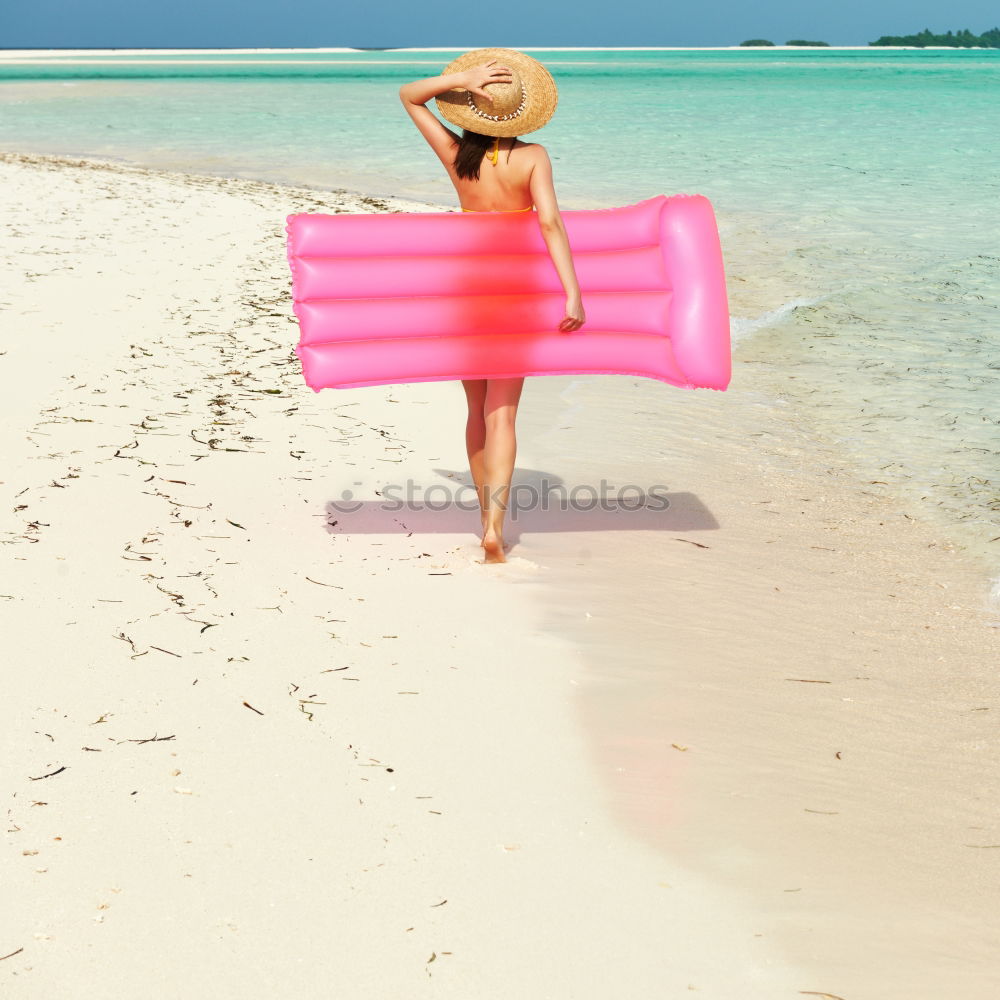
(541, 94)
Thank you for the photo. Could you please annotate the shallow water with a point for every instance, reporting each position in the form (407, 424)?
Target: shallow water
(854, 190)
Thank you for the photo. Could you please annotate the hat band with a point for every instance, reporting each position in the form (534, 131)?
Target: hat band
(500, 118)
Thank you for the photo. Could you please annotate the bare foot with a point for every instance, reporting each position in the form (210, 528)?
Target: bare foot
(493, 546)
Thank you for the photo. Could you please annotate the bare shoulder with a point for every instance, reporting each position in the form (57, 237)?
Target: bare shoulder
(533, 149)
(535, 157)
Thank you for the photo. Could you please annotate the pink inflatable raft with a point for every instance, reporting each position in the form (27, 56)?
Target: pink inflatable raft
(407, 297)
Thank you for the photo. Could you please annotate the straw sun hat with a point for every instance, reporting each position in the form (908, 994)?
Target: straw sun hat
(521, 106)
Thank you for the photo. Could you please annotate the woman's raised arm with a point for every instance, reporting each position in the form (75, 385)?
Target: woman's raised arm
(416, 95)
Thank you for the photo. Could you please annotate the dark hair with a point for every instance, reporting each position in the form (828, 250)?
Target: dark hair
(469, 157)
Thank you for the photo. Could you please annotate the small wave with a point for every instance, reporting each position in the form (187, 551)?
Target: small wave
(994, 596)
(742, 327)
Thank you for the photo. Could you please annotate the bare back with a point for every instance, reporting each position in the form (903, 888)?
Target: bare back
(504, 186)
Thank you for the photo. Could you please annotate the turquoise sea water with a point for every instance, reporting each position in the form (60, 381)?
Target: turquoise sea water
(856, 190)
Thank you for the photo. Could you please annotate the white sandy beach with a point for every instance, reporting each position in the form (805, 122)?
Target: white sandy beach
(256, 747)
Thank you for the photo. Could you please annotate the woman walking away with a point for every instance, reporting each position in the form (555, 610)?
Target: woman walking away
(494, 96)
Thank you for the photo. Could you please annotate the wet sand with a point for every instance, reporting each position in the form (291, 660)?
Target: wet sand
(790, 679)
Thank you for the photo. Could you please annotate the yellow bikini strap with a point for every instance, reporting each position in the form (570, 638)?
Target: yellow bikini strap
(496, 150)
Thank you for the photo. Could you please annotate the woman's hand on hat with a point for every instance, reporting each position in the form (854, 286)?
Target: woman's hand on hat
(480, 77)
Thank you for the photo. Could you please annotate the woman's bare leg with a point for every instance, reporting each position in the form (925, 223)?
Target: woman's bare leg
(499, 453)
(475, 436)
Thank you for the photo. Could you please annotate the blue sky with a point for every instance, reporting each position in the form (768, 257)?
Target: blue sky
(268, 23)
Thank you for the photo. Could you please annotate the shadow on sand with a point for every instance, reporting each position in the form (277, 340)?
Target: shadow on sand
(539, 502)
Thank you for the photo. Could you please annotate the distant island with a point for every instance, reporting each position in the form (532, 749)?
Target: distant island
(757, 43)
(964, 39)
